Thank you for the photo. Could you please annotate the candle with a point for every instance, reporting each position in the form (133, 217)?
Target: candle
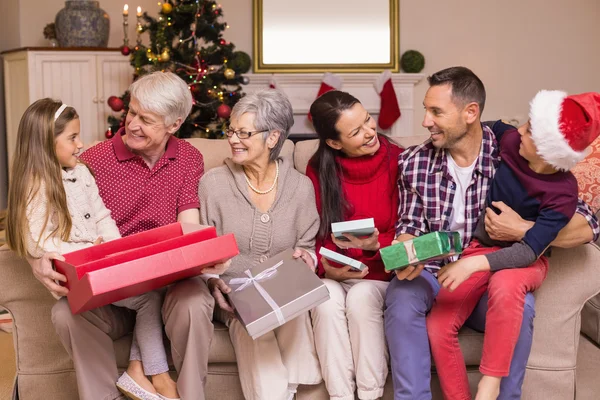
(139, 11)
(125, 10)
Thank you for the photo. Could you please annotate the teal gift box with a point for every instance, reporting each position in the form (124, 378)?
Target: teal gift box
(431, 246)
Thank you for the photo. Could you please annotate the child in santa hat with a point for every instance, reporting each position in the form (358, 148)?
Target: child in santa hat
(533, 179)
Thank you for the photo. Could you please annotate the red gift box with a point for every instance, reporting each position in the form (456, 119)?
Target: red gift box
(126, 267)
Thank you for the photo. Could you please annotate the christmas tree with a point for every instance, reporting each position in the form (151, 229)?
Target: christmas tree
(187, 39)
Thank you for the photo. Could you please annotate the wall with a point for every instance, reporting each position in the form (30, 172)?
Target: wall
(9, 38)
(515, 46)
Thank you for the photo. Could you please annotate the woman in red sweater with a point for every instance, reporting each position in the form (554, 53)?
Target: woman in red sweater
(354, 172)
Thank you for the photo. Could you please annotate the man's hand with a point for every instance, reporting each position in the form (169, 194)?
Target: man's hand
(453, 274)
(342, 274)
(508, 226)
(409, 273)
(45, 273)
(218, 269)
(370, 243)
(306, 257)
(218, 288)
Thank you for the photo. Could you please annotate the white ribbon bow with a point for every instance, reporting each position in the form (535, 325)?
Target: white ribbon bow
(411, 252)
(255, 280)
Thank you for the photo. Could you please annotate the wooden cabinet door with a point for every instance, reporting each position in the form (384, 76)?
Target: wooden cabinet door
(115, 74)
(70, 78)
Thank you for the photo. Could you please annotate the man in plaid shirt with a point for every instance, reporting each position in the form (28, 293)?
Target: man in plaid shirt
(443, 186)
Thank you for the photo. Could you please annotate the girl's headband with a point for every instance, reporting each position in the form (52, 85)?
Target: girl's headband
(59, 111)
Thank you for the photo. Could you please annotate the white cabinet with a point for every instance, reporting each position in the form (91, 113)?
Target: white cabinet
(83, 79)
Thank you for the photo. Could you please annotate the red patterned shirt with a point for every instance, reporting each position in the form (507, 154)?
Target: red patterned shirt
(427, 191)
(141, 198)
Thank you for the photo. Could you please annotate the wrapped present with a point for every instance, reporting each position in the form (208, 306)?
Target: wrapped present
(358, 228)
(126, 267)
(341, 259)
(420, 250)
(274, 292)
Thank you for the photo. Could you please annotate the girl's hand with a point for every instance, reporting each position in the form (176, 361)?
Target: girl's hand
(306, 257)
(453, 274)
(98, 241)
(342, 274)
(218, 269)
(218, 288)
(370, 243)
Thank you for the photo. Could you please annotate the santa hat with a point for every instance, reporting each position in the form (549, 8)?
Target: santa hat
(562, 126)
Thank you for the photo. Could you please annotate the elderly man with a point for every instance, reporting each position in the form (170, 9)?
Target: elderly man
(147, 178)
(443, 186)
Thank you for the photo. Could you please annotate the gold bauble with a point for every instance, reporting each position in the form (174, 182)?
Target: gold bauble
(229, 73)
(167, 8)
(165, 55)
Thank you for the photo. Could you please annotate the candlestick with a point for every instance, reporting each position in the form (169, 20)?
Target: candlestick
(138, 27)
(125, 25)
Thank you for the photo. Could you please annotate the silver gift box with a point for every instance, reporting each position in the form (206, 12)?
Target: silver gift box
(289, 288)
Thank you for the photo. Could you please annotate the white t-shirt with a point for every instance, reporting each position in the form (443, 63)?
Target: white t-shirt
(462, 178)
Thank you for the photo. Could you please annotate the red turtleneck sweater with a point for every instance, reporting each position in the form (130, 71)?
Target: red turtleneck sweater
(370, 187)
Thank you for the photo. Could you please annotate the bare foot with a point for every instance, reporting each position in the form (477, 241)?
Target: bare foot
(165, 385)
(488, 388)
(136, 372)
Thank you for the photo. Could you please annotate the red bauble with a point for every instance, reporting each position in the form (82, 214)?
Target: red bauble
(125, 50)
(224, 111)
(115, 103)
(109, 133)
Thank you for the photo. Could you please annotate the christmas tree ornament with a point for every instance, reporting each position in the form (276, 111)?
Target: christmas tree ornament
(167, 8)
(244, 80)
(109, 133)
(229, 73)
(115, 103)
(165, 55)
(125, 50)
(224, 111)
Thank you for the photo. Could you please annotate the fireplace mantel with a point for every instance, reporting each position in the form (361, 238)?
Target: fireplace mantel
(302, 90)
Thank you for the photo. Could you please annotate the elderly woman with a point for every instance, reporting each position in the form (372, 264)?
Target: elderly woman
(270, 207)
(147, 178)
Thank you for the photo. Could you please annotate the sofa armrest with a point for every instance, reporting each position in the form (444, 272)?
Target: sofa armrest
(37, 347)
(573, 278)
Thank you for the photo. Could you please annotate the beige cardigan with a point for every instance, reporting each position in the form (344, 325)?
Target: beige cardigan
(292, 221)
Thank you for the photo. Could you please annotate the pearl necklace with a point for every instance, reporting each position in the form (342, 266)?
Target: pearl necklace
(255, 190)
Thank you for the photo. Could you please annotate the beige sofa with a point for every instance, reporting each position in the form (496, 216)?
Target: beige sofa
(46, 372)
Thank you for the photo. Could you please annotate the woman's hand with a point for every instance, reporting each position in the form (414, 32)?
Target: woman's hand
(342, 274)
(218, 288)
(508, 226)
(370, 243)
(218, 269)
(306, 257)
(453, 274)
(44, 272)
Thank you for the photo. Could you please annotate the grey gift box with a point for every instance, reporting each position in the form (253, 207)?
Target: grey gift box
(359, 227)
(290, 286)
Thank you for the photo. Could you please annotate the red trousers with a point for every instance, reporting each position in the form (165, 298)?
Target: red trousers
(506, 290)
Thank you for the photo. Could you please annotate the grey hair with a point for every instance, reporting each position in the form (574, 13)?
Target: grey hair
(272, 112)
(164, 94)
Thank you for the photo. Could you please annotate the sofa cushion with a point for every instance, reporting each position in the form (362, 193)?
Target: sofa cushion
(590, 319)
(587, 173)
(215, 151)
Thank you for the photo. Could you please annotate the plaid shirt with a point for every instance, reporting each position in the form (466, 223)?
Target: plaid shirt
(427, 191)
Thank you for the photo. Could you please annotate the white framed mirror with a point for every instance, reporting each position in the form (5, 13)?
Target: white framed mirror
(325, 35)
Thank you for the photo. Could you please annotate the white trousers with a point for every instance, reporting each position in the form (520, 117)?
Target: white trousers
(350, 340)
(272, 366)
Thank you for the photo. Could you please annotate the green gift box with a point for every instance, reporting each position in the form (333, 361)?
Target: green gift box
(431, 246)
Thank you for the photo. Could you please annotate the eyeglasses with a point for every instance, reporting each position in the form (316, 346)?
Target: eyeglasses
(242, 134)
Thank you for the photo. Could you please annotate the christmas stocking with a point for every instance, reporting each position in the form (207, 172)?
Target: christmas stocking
(330, 82)
(389, 111)
(273, 82)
